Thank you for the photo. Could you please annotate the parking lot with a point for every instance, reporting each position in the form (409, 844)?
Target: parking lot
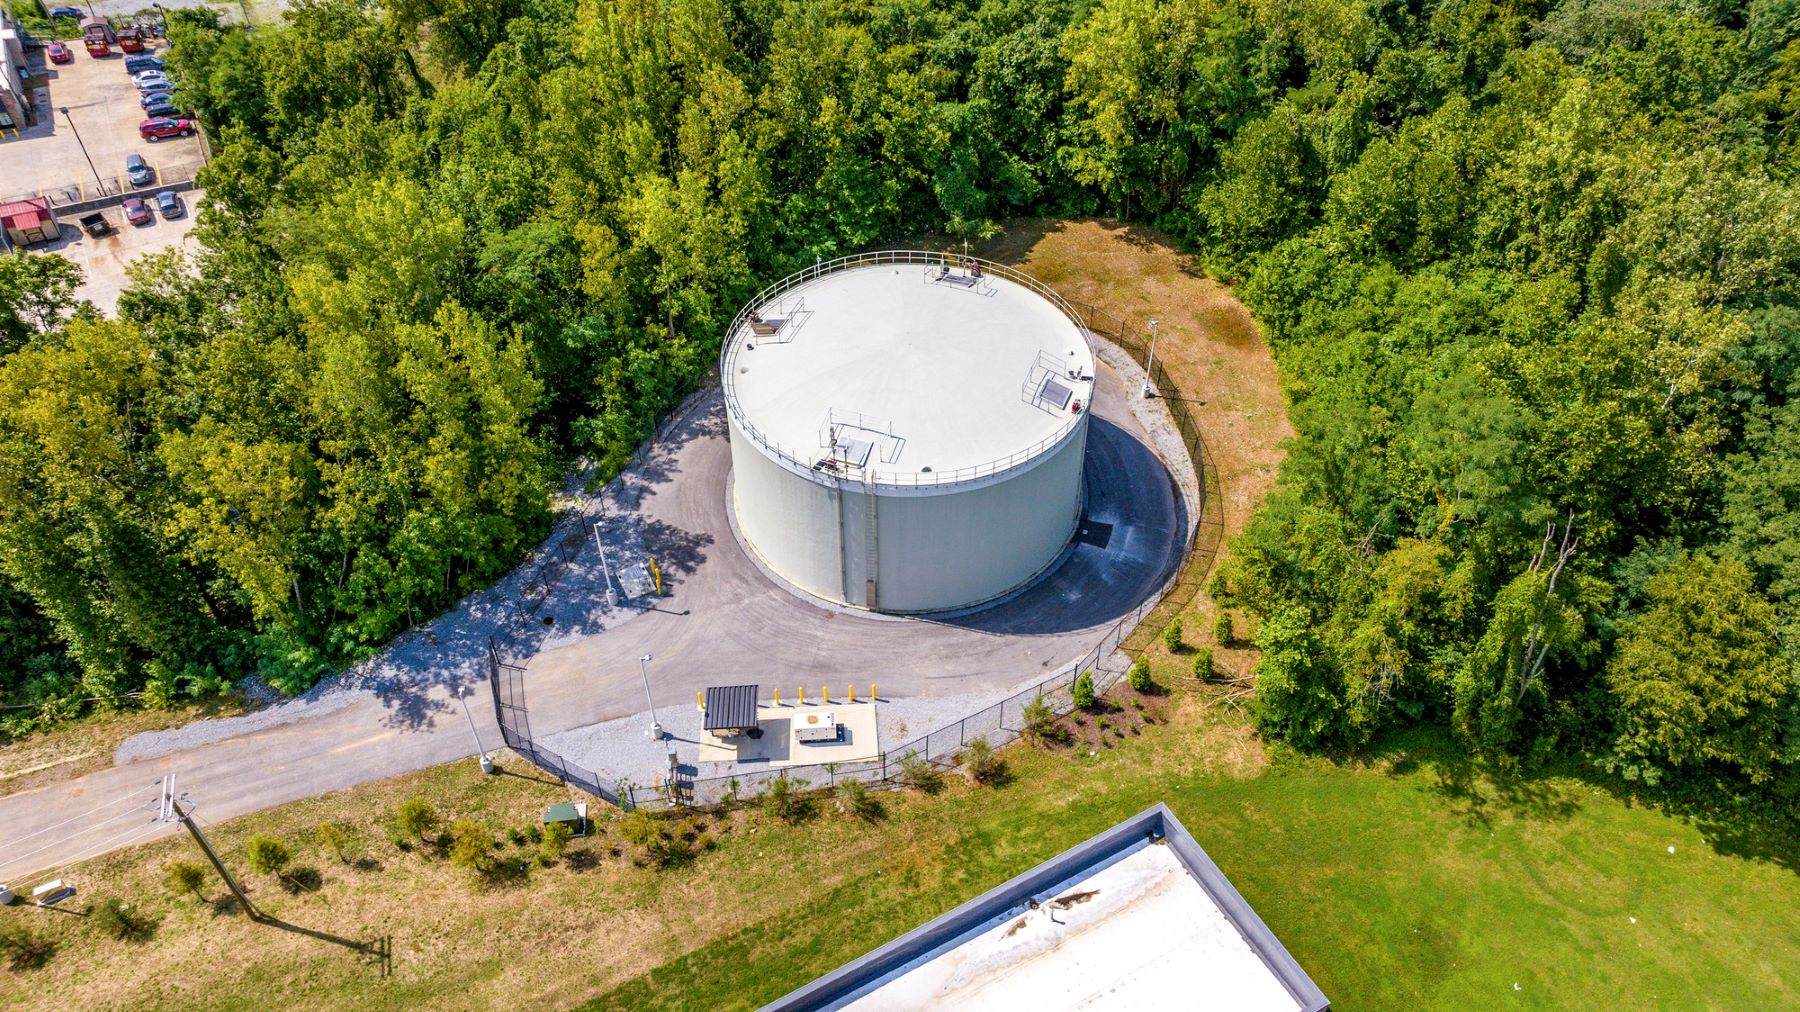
(103, 105)
(103, 260)
(54, 159)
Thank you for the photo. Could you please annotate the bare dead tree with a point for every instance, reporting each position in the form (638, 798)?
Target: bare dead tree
(1536, 652)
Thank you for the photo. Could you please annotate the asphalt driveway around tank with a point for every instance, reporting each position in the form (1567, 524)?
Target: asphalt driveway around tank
(726, 621)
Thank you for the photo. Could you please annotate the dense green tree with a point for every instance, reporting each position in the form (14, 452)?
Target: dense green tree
(1700, 680)
(1522, 263)
(37, 294)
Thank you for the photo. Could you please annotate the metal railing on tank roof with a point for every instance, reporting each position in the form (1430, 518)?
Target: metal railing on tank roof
(829, 468)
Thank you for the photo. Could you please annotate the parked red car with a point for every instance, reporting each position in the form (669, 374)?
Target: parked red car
(131, 40)
(165, 126)
(97, 47)
(136, 211)
(59, 53)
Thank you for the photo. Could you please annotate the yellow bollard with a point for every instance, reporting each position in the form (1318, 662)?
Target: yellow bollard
(802, 701)
(825, 694)
(777, 695)
(872, 696)
(850, 690)
(699, 701)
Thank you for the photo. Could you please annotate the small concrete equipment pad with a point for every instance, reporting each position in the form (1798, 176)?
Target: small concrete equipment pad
(858, 737)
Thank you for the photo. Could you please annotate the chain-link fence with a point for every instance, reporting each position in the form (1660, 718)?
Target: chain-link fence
(508, 680)
(1209, 531)
(997, 724)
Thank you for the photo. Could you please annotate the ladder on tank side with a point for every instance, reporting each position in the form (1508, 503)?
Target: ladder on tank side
(871, 548)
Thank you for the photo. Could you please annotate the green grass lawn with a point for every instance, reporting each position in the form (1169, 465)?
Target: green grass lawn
(1410, 880)
(1406, 882)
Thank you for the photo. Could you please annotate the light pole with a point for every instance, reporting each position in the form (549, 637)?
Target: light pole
(1150, 363)
(84, 152)
(487, 765)
(656, 728)
(612, 597)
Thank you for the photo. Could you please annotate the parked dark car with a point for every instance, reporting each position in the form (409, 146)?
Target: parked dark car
(140, 62)
(137, 171)
(95, 224)
(154, 130)
(137, 212)
(161, 104)
(169, 203)
(59, 53)
(66, 12)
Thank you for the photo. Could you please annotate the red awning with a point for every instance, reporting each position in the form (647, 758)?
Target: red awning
(25, 215)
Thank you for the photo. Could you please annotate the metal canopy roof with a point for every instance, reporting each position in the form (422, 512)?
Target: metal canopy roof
(730, 706)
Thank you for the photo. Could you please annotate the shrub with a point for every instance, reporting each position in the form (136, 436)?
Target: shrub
(984, 765)
(1203, 665)
(1083, 692)
(334, 837)
(1040, 722)
(24, 948)
(919, 773)
(655, 845)
(853, 798)
(183, 877)
(266, 855)
(784, 800)
(553, 842)
(1222, 630)
(1139, 676)
(117, 920)
(471, 846)
(639, 827)
(415, 818)
(1172, 636)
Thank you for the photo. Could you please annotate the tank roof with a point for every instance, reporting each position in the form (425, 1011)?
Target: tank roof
(908, 372)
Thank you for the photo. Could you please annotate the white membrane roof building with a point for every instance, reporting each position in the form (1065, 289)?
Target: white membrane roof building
(1136, 918)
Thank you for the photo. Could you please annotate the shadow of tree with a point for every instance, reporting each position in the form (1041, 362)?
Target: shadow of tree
(1480, 790)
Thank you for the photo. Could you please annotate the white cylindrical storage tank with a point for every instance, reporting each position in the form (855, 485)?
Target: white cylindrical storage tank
(907, 429)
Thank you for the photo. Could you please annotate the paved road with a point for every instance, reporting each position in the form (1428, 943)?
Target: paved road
(724, 620)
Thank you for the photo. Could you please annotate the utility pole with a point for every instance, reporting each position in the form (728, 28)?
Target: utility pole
(218, 865)
(84, 151)
(612, 597)
(487, 764)
(656, 728)
(1150, 363)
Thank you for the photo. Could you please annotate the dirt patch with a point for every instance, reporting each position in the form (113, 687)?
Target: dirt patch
(1231, 748)
(1210, 345)
(1120, 715)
